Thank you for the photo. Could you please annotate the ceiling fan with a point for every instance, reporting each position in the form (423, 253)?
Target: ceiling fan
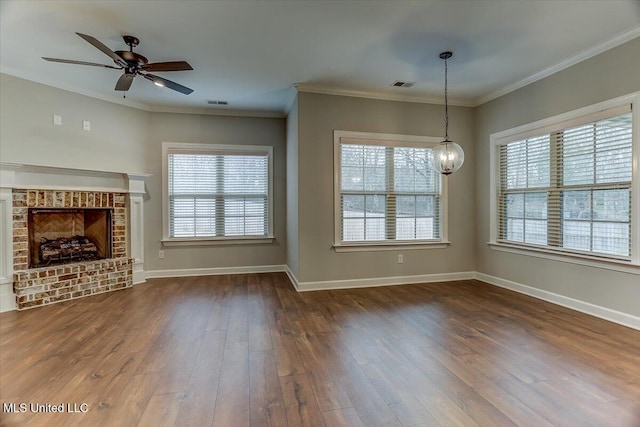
(133, 65)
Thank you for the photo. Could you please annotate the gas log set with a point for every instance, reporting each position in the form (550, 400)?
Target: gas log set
(77, 248)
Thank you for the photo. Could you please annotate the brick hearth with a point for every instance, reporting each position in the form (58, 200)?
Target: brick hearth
(45, 285)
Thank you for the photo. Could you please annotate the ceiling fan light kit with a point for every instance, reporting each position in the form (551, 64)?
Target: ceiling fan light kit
(448, 156)
(133, 65)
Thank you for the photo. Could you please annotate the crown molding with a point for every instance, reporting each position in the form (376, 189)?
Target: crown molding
(140, 105)
(582, 56)
(328, 90)
(216, 112)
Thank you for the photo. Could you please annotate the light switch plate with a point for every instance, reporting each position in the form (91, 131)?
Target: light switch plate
(57, 119)
(86, 125)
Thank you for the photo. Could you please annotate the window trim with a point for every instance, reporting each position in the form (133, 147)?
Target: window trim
(386, 139)
(554, 124)
(194, 148)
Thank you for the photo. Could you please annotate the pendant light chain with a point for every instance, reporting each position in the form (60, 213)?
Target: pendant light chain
(446, 103)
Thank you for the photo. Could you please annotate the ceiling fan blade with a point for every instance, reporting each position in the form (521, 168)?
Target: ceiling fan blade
(124, 82)
(159, 81)
(70, 61)
(168, 66)
(98, 44)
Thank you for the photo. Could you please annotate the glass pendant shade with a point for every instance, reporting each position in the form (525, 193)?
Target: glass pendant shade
(447, 157)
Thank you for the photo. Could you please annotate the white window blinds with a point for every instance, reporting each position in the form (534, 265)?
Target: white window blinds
(388, 193)
(218, 193)
(570, 189)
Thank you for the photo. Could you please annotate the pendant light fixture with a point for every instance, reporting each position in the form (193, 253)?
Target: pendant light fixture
(447, 156)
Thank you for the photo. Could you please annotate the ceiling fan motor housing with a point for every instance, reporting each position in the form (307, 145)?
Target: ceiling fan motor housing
(133, 59)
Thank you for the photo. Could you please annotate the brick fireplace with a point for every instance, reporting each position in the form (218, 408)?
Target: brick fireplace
(67, 212)
(64, 243)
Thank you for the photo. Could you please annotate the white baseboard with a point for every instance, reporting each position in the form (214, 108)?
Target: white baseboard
(380, 281)
(574, 304)
(292, 278)
(155, 274)
(138, 276)
(7, 297)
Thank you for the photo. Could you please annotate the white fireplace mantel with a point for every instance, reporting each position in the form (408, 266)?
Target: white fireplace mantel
(26, 176)
(23, 176)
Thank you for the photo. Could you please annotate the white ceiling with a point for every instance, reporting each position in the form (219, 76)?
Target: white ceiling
(250, 53)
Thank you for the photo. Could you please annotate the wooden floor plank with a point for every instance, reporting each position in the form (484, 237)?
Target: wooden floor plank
(288, 358)
(248, 350)
(407, 409)
(162, 410)
(343, 417)
(324, 377)
(259, 334)
(198, 405)
(300, 405)
(131, 404)
(266, 401)
(102, 399)
(232, 400)
(366, 399)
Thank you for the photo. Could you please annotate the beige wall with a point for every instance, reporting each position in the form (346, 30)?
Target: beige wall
(606, 76)
(124, 139)
(318, 116)
(116, 141)
(292, 189)
(191, 128)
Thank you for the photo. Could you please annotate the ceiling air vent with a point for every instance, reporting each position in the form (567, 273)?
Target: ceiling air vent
(215, 102)
(402, 84)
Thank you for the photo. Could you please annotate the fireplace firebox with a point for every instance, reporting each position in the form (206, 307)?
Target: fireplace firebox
(67, 235)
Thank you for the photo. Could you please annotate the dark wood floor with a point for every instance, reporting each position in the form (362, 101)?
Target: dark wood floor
(248, 350)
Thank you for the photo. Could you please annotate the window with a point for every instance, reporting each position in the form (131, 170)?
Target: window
(215, 192)
(568, 186)
(386, 193)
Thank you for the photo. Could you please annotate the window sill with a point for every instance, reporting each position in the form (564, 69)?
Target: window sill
(217, 241)
(572, 258)
(374, 247)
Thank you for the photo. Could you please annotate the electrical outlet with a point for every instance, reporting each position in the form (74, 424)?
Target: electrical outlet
(86, 125)
(57, 119)
(161, 254)
(400, 259)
